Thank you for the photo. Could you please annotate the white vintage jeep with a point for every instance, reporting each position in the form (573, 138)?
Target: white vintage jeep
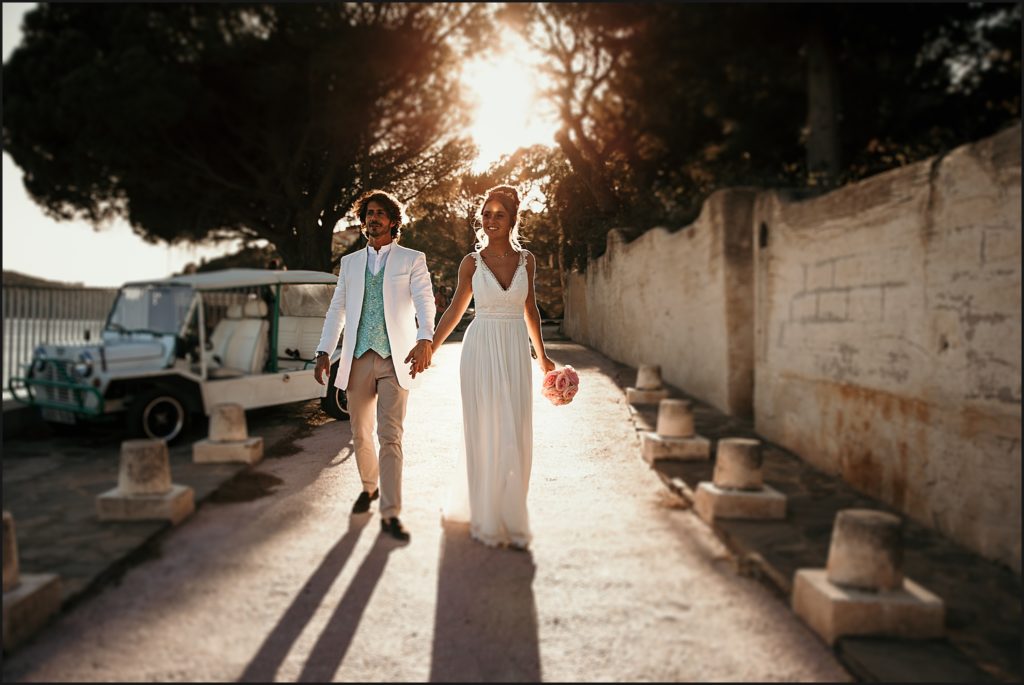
(176, 347)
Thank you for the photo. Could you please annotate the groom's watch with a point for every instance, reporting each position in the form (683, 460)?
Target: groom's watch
(320, 353)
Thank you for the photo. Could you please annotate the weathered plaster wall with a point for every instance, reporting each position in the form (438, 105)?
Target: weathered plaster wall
(877, 334)
(888, 338)
(682, 300)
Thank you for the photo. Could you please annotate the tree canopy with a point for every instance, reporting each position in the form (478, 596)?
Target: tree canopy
(266, 121)
(213, 120)
(663, 103)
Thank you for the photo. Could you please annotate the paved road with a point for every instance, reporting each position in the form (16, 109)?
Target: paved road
(620, 583)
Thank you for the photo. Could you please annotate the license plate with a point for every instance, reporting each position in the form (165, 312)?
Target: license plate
(58, 415)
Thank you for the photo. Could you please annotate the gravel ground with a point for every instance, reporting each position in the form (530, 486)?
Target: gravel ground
(621, 583)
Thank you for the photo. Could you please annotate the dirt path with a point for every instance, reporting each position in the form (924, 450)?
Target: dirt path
(618, 585)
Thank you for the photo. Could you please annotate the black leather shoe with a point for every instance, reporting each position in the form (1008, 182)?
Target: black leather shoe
(362, 504)
(394, 528)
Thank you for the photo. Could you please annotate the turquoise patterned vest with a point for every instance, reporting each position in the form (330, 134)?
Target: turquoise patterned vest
(373, 333)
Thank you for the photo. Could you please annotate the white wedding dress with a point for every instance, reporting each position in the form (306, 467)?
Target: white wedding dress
(492, 475)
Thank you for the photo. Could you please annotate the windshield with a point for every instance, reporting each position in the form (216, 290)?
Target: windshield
(307, 299)
(159, 309)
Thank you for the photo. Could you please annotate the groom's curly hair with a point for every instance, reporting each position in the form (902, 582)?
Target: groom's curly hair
(390, 204)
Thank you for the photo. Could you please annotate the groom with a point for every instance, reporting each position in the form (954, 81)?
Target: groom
(385, 296)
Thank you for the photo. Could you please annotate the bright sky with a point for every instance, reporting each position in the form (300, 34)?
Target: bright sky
(508, 116)
(509, 113)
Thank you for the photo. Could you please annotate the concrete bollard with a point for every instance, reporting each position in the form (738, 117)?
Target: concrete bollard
(145, 468)
(737, 490)
(738, 464)
(648, 377)
(675, 419)
(866, 551)
(228, 441)
(10, 554)
(144, 489)
(675, 438)
(227, 423)
(649, 388)
(30, 599)
(862, 591)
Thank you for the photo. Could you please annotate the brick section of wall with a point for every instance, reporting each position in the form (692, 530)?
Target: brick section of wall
(888, 338)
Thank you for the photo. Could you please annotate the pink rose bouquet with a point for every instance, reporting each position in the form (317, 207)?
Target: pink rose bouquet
(561, 385)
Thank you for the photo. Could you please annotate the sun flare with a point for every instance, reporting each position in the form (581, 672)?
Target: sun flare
(509, 113)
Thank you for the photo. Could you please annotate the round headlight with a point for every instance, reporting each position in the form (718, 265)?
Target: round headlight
(83, 367)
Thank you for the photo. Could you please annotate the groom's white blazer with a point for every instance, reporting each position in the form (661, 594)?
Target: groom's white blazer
(408, 309)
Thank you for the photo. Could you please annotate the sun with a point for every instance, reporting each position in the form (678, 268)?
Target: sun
(509, 113)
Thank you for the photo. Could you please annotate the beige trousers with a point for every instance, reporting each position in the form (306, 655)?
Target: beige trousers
(373, 383)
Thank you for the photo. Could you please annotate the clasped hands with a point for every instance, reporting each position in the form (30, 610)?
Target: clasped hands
(419, 357)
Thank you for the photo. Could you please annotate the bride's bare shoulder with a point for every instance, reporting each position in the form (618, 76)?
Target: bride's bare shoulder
(468, 262)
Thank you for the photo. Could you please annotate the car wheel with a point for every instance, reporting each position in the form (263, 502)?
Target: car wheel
(335, 404)
(159, 414)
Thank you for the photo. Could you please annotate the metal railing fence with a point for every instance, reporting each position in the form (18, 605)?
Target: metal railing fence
(37, 315)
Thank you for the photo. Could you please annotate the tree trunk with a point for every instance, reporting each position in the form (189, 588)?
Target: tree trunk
(592, 177)
(308, 248)
(823, 153)
(560, 255)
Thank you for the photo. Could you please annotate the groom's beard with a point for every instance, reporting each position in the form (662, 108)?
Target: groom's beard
(374, 232)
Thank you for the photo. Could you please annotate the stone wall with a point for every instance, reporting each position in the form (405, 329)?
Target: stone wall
(888, 338)
(682, 300)
(875, 331)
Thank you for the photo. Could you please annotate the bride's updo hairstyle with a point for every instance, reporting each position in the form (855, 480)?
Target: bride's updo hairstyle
(508, 196)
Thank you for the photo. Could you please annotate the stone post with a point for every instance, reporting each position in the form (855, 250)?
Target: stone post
(738, 464)
(227, 423)
(229, 439)
(675, 419)
(675, 437)
(145, 468)
(30, 599)
(866, 551)
(862, 590)
(144, 489)
(737, 490)
(648, 377)
(649, 388)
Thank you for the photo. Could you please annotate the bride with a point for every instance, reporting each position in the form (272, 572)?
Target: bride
(497, 410)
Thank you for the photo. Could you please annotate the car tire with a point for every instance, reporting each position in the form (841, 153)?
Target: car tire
(159, 413)
(335, 404)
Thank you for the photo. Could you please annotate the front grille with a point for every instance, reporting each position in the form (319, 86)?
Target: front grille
(55, 371)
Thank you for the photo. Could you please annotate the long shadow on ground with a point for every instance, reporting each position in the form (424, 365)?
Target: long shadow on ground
(275, 648)
(485, 626)
(333, 643)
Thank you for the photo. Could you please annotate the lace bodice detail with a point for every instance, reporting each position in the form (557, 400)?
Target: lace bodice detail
(493, 300)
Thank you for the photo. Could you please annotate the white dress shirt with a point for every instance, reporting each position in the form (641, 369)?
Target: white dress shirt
(375, 259)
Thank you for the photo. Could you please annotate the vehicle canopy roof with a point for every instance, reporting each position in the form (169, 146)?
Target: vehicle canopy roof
(241, 278)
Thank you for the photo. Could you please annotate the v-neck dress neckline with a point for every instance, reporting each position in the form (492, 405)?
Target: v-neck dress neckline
(495, 277)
